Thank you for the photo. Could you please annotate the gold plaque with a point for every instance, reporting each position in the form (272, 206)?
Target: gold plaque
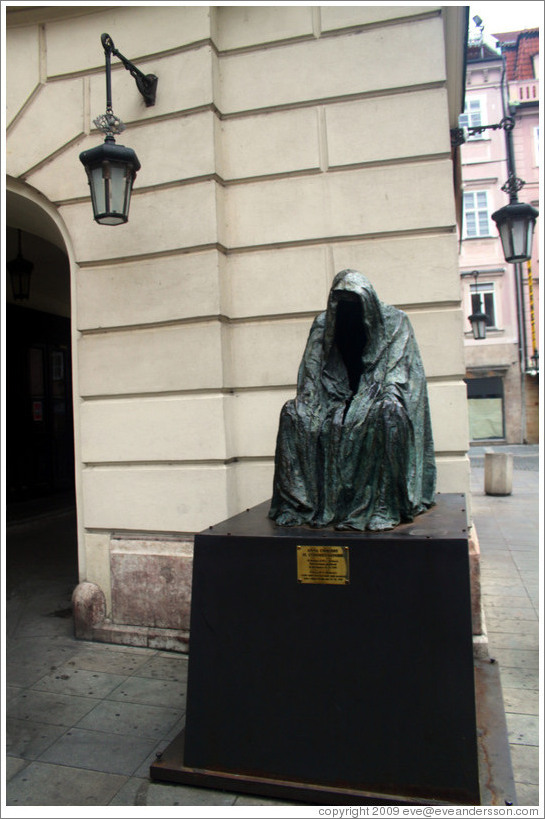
(323, 564)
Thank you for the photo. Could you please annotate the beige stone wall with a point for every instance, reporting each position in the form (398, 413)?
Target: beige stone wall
(286, 144)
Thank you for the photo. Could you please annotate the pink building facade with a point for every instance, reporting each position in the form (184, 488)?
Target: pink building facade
(502, 371)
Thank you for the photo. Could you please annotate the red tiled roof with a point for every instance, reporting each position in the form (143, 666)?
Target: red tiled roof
(519, 47)
(481, 51)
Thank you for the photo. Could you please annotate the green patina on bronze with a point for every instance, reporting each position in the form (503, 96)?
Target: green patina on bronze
(355, 447)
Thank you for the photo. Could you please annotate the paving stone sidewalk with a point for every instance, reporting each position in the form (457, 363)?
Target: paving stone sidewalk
(508, 531)
(85, 720)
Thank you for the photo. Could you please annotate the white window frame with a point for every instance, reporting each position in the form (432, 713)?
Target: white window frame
(483, 289)
(478, 208)
(472, 119)
(536, 145)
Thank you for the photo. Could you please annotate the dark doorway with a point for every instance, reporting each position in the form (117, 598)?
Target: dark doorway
(41, 546)
(38, 407)
(39, 448)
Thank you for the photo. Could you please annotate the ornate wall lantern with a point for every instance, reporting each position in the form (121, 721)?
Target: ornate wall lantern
(516, 222)
(111, 168)
(478, 325)
(478, 320)
(20, 270)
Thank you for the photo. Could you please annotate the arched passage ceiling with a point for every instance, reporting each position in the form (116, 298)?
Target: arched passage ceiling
(27, 215)
(44, 246)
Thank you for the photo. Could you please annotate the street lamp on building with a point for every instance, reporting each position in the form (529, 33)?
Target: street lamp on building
(515, 221)
(111, 168)
(478, 319)
(478, 325)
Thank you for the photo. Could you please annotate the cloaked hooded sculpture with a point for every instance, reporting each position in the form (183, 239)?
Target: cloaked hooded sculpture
(355, 447)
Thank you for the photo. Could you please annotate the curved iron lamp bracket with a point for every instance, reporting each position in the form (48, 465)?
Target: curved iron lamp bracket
(146, 83)
(458, 135)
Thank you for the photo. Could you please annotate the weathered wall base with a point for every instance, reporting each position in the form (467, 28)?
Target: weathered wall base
(150, 592)
(156, 588)
(90, 623)
(141, 636)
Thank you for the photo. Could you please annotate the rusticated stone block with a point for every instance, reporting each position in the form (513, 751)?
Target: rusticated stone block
(151, 583)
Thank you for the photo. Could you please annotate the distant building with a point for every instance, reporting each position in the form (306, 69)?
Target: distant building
(502, 371)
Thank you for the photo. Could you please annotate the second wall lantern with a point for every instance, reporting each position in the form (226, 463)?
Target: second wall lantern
(515, 223)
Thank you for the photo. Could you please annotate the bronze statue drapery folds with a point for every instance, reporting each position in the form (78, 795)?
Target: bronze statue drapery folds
(355, 448)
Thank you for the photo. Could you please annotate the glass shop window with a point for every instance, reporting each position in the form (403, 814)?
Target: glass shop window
(483, 300)
(486, 414)
(476, 214)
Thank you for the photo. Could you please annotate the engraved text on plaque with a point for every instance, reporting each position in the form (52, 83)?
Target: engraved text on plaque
(323, 564)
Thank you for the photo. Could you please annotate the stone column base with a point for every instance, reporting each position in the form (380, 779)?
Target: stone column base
(91, 623)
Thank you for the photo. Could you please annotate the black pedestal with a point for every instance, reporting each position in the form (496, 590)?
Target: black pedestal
(363, 688)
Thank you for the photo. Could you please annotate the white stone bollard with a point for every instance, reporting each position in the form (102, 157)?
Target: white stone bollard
(498, 473)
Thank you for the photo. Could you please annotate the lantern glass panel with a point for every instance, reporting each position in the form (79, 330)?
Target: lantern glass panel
(119, 176)
(530, 237)
(479, 329)
(519, 233)
(97, 190)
